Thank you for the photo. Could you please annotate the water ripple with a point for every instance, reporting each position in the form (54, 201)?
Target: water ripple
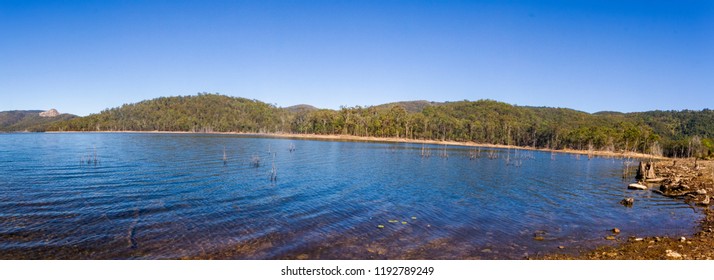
(155, 196)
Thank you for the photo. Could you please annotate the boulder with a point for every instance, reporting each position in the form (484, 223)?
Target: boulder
(636, 186)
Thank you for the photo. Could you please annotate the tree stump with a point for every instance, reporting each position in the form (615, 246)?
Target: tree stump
(641, 171)
(651, 171)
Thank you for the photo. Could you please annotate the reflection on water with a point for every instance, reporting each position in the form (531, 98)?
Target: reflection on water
(155, 196)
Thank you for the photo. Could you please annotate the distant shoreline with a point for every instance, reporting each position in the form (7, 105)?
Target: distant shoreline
(353, 138)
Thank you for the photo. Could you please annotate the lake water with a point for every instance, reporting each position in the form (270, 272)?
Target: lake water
(156, 196)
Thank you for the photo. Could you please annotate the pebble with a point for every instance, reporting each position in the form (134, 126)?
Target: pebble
(639, 239)
(561, 247)
(616, 230)
(539, 238)
(610, 237)
(682, 239)
(486, 251)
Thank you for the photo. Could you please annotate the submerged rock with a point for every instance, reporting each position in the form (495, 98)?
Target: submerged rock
(628, 201)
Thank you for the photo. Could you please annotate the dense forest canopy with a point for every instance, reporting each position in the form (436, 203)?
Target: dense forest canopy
(671, 133)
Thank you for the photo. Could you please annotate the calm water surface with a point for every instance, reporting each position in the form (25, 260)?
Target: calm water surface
(155, 196)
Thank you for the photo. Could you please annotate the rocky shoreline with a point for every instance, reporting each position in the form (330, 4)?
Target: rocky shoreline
(689, 180)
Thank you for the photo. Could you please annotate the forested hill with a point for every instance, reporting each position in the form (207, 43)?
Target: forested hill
(28, 120)
(201, 113)
(673, 133)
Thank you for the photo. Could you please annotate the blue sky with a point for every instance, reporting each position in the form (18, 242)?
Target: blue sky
(84, 56)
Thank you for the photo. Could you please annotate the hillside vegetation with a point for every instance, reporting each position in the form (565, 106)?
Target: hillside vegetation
(671, 133)
(29, 120)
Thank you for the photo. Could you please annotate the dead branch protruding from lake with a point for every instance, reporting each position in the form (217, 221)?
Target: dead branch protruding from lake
(255, 161)
(273, 171)
(225, 156)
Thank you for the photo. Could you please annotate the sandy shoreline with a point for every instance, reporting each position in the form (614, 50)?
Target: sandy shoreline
(332, 137)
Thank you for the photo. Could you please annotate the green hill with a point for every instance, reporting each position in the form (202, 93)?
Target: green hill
(200, 113)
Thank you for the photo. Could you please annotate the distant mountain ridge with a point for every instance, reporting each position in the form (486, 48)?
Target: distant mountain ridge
(672, 133)
(415, 106)
(301, 107)
(30, 120)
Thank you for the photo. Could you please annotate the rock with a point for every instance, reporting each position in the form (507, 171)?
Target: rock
(380, 226)
(628, 202)
(539, 238)
(486, 251)
(51, 113)
(636, 186)
(682, 239)
(561, 247)
(638, 239)
(701, 191)
(615, 230)
(705, 201)
(673, 254)
(610, 237)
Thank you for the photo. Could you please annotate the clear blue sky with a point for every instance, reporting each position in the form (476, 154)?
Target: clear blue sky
(84, 56)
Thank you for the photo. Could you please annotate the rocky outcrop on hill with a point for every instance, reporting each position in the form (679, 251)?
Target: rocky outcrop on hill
(51, 113)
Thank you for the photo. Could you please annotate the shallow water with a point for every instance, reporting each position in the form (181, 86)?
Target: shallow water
(153, 196)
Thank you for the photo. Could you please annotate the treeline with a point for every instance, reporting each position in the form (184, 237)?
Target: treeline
(670, 133)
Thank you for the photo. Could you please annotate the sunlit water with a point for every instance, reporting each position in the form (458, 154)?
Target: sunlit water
(155, 196)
